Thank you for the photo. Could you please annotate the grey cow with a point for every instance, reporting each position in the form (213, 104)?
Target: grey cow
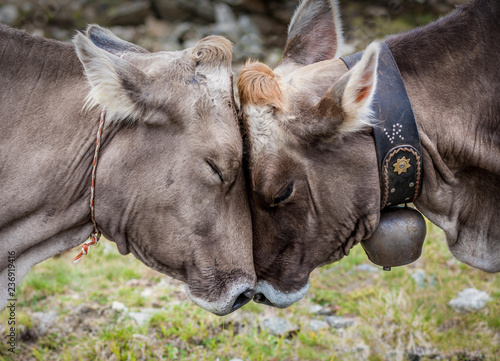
(313, 174)
(169, 184)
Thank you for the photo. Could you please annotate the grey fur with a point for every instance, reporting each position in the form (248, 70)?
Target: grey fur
(156, 194)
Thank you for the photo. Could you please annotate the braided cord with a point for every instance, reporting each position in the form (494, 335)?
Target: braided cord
(95, 235)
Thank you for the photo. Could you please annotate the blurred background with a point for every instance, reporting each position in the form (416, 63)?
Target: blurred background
(256, 27)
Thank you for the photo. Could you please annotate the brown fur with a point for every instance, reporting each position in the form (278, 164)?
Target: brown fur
(451, 73)
(214, 50)
(258, 85)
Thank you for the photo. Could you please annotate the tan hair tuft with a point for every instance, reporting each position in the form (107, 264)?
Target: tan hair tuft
(258, 85)
(214, 50)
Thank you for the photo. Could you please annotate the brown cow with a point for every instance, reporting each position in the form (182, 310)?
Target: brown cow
(312, 164)
(169, 183)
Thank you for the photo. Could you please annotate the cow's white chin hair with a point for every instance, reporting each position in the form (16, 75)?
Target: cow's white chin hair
(278, 298)
(224, 305)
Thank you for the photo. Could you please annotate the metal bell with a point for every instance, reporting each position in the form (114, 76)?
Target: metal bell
(398, 239)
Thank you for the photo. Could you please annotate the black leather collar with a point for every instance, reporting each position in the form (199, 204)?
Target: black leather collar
(395, 131)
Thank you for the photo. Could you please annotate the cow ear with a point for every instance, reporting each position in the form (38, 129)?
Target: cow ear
(115, 83)
(359, 90)
(213, 56)
(315, 33)
(106, 40)
(347, 105)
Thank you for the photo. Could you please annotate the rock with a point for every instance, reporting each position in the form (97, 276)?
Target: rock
(181, 10)
(322, 310)
(247, 25)
(249, 46)
(189, 34)
(44, 321)
(8, 14)
(170, 10)
(368, 268)
(84, 309)
(130, 13)
(427, 353)
(61, 34)
(226, 23)
(118, 306)
(316, 309)
(394, 355)
(273, 31)
(419, 277)
(339, 322)
(127, 33)
(358, 351)
(376, 11)
(279, 326)
(282, 11)
(147, 292)
(251, 6)
(361, 351)
(202, 9)
(317, 325)
(65, 14)
(469, 300)
(143, 316)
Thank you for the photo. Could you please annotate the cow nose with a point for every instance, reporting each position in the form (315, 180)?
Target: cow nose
(260, 298)
(243, 299)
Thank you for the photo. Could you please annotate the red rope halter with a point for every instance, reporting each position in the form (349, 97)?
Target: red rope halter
(95, 235)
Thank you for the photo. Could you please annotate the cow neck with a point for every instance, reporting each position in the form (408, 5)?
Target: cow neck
(96, 234)
(395, 131)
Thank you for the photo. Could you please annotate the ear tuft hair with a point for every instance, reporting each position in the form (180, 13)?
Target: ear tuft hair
(359, 90)
(115, 83)
(213, 51)
(258, 85)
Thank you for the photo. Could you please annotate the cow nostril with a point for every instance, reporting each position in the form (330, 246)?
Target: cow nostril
(260, 298)
(243, 299)
(249, 293)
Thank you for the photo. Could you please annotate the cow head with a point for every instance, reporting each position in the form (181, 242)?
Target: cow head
(312, 169)
(170, 186)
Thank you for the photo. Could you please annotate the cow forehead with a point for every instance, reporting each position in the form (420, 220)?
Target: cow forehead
(176, 84)
(183, 66)
(268, 105)
(274, 101)
(265, 133)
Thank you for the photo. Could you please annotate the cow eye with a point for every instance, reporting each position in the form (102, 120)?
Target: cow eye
(283, 194)
(215, 169)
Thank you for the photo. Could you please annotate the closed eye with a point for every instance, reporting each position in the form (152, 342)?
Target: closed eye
(215, 169)
(283, 194)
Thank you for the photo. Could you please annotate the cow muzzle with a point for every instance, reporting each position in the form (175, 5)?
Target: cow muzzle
(267, 294)
(238, 296)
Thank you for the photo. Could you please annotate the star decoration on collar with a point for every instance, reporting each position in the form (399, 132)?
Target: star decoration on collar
(401, 165)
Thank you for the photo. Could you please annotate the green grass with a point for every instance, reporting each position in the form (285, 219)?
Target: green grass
(394, 317)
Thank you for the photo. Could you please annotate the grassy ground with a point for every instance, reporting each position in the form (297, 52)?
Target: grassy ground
(395, 319)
